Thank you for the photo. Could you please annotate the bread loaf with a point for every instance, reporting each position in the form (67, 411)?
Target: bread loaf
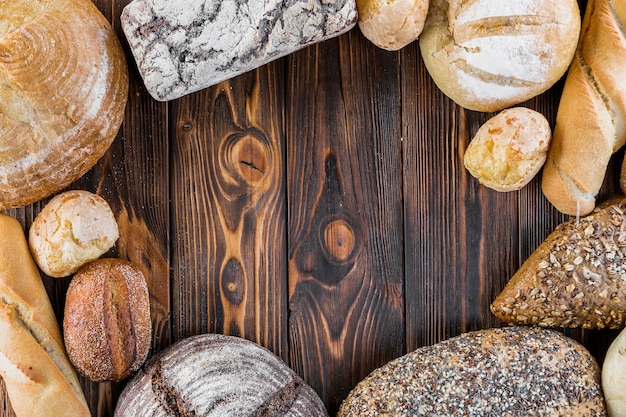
(490, 54)
(514, 371)
(575, 278)
(614, 376)
(509, 149)
(590, 122)
(63, 89)
(39, 378)
(106, 323)
(75, 227)
(183, 46)
(214, 375)
(392, 24)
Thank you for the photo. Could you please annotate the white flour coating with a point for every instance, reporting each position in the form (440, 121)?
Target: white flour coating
(184, 46)
(472, 11)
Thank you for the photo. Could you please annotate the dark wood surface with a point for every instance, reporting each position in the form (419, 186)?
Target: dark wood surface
(318, 206)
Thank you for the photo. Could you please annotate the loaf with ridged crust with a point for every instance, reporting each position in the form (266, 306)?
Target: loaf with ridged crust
(40, 380)
(591, 119)
(63, 91)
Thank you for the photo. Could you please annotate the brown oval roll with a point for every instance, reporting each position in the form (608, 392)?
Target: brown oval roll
(216, 375)
(514, 371)
(106, 325)
(490, 54)
(63, 90)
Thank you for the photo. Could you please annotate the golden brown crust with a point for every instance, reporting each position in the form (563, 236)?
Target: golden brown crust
(63, 90)
(106, 324)
(575, 278)
(39, 378)
(591, 119)
(487, 55)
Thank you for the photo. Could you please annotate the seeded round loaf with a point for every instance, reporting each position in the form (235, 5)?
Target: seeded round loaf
(490, 54)
(514, 371)
(106, 324)
(216, 375)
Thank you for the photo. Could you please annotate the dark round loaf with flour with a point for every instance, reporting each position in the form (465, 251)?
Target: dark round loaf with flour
(514, 371)
(216, 375)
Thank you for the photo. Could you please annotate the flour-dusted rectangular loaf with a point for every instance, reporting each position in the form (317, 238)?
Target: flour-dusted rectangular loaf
(182, 46)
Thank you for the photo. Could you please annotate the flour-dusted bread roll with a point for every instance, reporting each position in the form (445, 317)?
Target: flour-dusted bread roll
(215, 375)
(183, 46)
(514, 371)
(75, 227)
(509, 149)
(614, 376)
(63, 90)
(591, 119)
(39, 378)
(490, 54)
(575, 278)
(393, 24)
(106, 322)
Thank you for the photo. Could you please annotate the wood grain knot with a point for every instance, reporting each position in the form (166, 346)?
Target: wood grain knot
(232, 282)
(246, 161)
(339, 240)
(252, 159)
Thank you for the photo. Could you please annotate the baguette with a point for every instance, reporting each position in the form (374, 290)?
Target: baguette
(39, 379)
(575, 278)
(590, 122)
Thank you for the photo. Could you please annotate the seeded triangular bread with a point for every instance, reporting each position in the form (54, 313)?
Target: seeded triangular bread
(575, 278)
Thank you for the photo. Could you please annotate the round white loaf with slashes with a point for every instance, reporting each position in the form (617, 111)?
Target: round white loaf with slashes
(216, 375)
(513, 371)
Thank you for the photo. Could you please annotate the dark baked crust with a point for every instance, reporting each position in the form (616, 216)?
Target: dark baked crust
(216, 375)
(106, 325)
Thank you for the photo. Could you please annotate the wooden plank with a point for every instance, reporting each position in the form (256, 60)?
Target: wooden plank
(229, 208)
(345, 252)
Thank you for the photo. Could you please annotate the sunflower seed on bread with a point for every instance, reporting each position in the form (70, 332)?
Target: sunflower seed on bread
(512, 371)
(575, 278)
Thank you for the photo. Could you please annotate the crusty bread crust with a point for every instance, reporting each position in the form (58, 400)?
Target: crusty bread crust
(591, 119)
(39, 378)
(63, 91)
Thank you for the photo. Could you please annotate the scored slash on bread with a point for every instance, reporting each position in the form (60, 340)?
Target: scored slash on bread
(575, 278)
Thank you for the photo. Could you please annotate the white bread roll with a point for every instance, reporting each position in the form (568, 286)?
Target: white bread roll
(490, 54)
(63, 90)
(509, 149)
(513, 371)
(40, 381)
(75, 227)
(614, 376)
(392, 24)
(591, 119)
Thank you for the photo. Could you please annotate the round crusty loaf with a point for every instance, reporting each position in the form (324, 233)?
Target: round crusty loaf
(614, 376)
(392, 24)
(106, 324)
(514, 371)
(63, 90)
(215, 375)
(490, 54)
(509, 149)
(74, 228)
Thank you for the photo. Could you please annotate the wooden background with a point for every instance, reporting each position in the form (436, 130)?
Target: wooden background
(318, 206)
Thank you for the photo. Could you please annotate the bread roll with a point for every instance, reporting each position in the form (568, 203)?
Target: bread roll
(575, 278)
(106, 323)
(75, 227)
(490, 54)
(392, 24)
(39, 378)
(590, 122)
(614, 376)
(509, 149)
(214, 375)
(515, 371)
(63, 89)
